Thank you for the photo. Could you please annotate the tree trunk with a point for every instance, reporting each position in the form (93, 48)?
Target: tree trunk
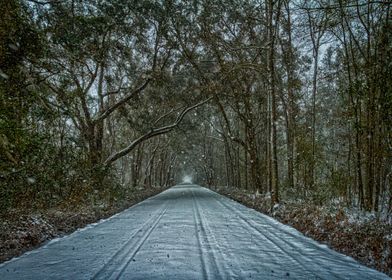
(274, 118)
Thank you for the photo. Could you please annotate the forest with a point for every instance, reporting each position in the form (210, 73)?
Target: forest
(287, 100)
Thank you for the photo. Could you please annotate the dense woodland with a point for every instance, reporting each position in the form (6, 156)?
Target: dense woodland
(287, 98)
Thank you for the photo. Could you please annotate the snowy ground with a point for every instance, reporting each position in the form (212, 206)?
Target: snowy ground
(186, 232)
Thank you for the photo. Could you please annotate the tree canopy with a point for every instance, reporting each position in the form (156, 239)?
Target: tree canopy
(287, 98)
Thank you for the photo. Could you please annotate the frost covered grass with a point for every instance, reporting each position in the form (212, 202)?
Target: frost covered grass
(22, 230)
(355, 233)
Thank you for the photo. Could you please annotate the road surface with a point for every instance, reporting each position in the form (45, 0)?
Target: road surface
(186, 232)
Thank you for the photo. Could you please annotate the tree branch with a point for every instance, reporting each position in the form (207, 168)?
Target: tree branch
(152, 133)
(123, 100)
(44, 2)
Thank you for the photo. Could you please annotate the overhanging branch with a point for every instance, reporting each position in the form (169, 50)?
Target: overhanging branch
(152, 133)
(119, 103)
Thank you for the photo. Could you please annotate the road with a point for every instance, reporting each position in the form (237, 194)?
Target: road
(186, 232)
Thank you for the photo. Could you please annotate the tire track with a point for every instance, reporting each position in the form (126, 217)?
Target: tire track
(198, 235)
(277, 238)
(294, 236)
(116, 265)
(209, 234)
(271, 241)
(236, 273)
(256, 241)
(295, 249)
(233, 259)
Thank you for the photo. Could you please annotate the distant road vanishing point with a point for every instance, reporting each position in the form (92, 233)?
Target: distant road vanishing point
(186, 232)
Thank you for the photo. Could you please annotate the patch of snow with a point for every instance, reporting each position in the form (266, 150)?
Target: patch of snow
(388, 237)
(30, 180)
(3, 75)
(267, 195)
(14, 47)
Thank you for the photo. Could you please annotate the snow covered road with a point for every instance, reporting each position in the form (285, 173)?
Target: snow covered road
(186, 232)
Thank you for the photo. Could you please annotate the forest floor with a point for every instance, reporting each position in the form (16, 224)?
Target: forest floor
(356, 234)
(22, 230)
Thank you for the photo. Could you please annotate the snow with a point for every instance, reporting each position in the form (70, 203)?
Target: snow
(388, 237)
(186, 232)
(3, 75)
(356, 216)
(30, 180)
(187, 179)
(14, 47)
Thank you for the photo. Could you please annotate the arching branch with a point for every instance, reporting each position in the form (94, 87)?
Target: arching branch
(152, 133)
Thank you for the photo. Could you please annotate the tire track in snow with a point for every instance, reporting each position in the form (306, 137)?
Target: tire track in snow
(307, 260)
(255, 240)
(116, 265)
(210, 236)
(237, 274)
(233, 259)
(198, 235)
(275, 240)
(215, 270)
(271, 241)
(330, 253)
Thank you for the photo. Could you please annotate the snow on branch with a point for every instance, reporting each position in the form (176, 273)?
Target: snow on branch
(152, 133)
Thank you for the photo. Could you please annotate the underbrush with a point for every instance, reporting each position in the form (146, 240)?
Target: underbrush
(357, 234)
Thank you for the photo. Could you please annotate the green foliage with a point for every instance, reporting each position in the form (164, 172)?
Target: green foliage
(19, 43)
